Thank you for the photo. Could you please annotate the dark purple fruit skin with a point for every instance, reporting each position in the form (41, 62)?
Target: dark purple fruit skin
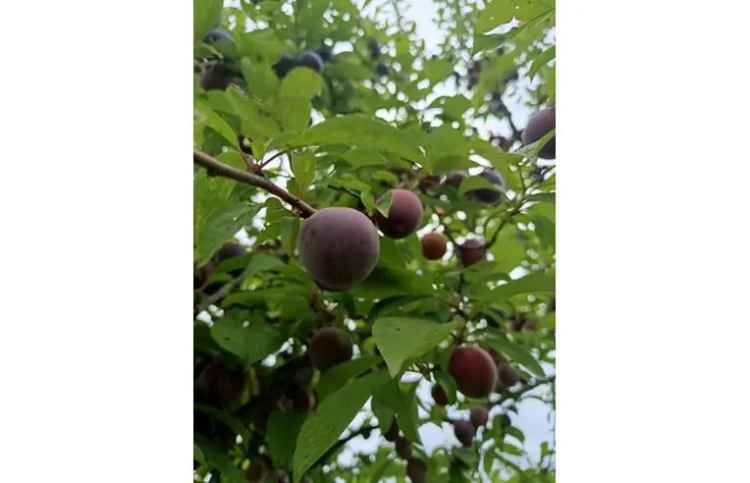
(339, 247)
(474, 371)
(217, 35)
(416, 470)
(330, 346)
(464, 432)
(392, 432)
(507, 377)
(310, 59)
(259, 470)
(471, 251)
(540, 124)
(478, 416)
(229, 250)
(487, 195)
(403, 448)
(454, 179)
(202, 274)
(219, 386)
(404, 216)
(217, 77)
(284, 65)
(381, 69)
(433, 246)
(439, 395)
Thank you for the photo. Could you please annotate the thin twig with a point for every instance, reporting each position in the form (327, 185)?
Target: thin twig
(217, 167)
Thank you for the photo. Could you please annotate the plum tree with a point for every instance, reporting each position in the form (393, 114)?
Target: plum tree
(330, 346)
(478, 416)
(416, 470)
(464, 432)
(217, 385)
(540, 124)
(404, 216)
(310, 59)
(339, 247)
(403, 448)
(433, 246)
(487, 195)
(474, 371)
(471, 251)
(439, 395)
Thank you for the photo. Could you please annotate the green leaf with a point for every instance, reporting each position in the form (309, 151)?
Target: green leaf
(541, 60)
(392, 333)
(261, 80)
(404, 404)
(217, 458)
(218, 213)
(251, 343)
(515, 353)
(358, 130)
(206, 15)
(322, 429)
(537, 282)
(335, 377)
(497, 12)
(281, 436)
(509, 249)
(301, 83)
(477, 182)
(205, 115)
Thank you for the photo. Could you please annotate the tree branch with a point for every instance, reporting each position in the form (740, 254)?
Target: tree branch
(217, 167)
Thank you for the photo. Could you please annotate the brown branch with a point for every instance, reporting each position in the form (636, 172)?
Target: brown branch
(217, 167)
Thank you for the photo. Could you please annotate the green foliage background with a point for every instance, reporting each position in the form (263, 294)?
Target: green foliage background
(344, 137)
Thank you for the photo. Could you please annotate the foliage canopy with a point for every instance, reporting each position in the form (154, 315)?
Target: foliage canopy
(379, 111)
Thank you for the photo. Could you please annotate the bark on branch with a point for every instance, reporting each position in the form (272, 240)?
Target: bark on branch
(217, 167)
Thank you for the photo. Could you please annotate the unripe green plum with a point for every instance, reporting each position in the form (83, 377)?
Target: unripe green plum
(434, 246)
(404, 216)
(474, 371)
(478, 416)
(330, 346)
(464, 432)
(540, 124)
(471, 251)
(339, 247)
